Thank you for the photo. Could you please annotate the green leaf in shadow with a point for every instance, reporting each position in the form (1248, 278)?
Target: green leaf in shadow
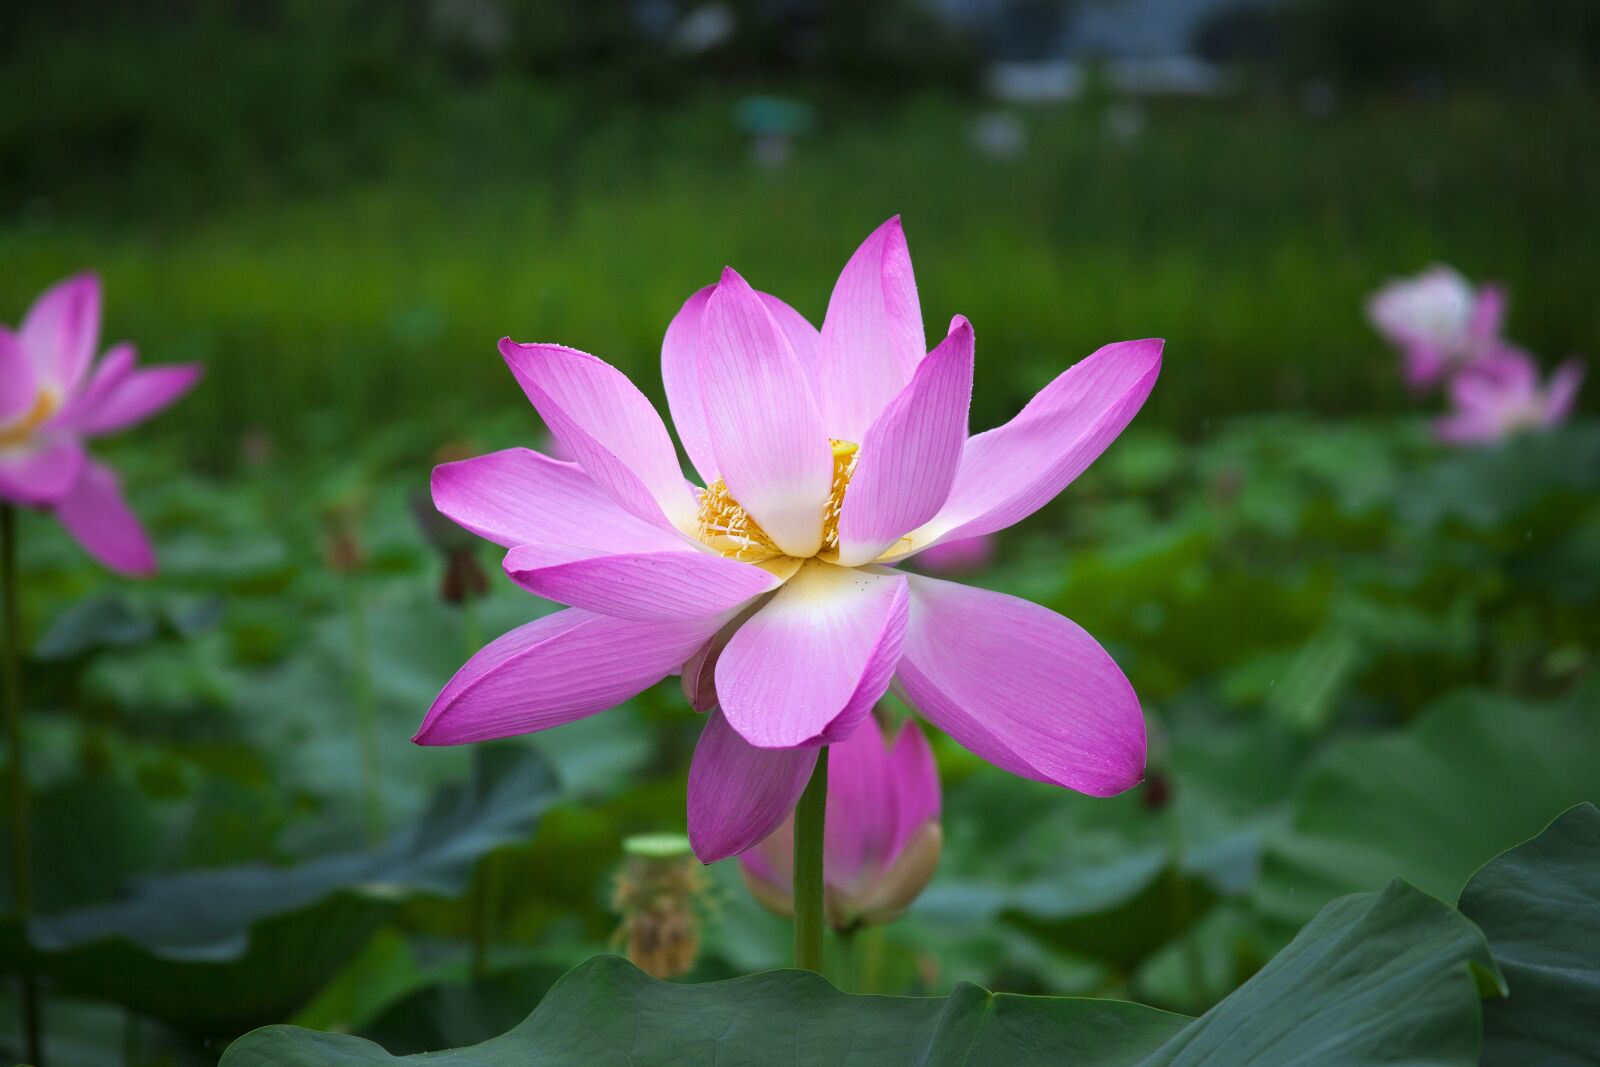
(1539, 906)
(219, 950)
(1376, 978)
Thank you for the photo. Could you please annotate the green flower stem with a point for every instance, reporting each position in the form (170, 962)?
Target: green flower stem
(809, 817)
(848, 977)
(481, 903)
(471, 630)
(1182, 908)
(485, 879)
(871, 960)
(366, 713)
(17, 780)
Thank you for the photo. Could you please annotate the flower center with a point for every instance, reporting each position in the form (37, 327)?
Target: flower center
(727, 527)
(44, 405)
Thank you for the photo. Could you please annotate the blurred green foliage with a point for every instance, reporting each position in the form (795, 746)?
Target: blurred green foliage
(342, 234)
(1352, 645)
(1361, 656)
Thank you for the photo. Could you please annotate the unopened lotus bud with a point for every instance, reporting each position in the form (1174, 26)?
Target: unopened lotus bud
(659, 893)
(881, 839)
(1156, 793)
(463, 578)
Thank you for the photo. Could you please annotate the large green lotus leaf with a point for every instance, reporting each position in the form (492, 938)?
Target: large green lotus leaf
(1539, 906)
(1472, 777)
(607, 1012)
(1378, 978)
(460, 1010)
(219, 950)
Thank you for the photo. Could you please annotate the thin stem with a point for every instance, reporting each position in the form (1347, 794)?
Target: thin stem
(366, 714)
(17, 779)
(485, 878)
(1183, 909)
(482, 902)
(810, 815)
(871, 960)
(132, 1040)
(849, 975)
(470, 630)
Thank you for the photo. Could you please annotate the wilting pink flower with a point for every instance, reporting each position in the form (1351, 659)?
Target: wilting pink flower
(827, 457)
(881, 839)
(51, 400)
(959, 556)
(1501, 395)
(1439, 321)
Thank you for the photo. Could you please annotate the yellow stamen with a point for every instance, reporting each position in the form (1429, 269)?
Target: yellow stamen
(844, 465)
(44, 405)
(726, 526)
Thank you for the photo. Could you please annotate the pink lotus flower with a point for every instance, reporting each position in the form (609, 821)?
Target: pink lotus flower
(51, 400)
(882, 838)
(1439, 321)
(1501, 396)
(827, 457)
(960, 556)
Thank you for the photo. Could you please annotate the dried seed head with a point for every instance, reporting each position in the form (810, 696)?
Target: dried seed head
(660, 893)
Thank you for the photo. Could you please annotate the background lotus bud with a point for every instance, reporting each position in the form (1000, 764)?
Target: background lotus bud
(882, 837)
(463, 578)
(659, 893)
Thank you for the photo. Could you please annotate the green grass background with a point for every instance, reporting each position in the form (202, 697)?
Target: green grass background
(1245, 233)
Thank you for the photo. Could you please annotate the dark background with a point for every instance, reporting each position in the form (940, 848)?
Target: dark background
(340, 207)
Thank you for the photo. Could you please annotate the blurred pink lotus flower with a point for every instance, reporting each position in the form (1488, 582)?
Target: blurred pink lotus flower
(960, 556)
(1501, 395)
(52, 399)
(882, 837)
(1439, 321)
(827, 456)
